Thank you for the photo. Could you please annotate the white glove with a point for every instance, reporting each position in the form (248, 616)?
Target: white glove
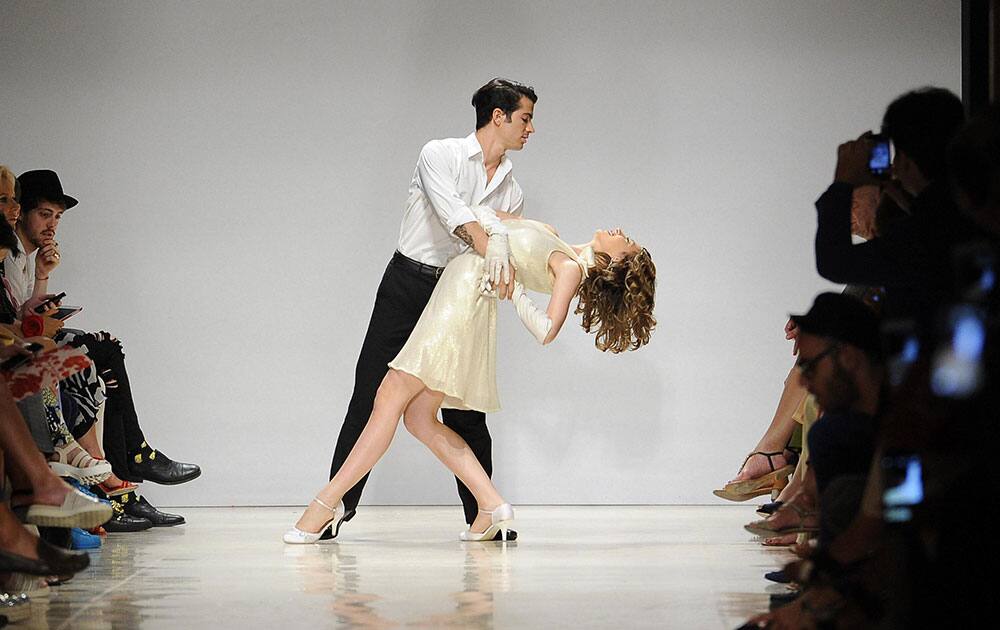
(498, 257)
(534, 319)
(497, 264)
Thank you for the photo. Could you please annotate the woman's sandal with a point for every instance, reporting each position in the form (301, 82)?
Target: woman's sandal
(768, 483)
(72, 460)
(765, 528)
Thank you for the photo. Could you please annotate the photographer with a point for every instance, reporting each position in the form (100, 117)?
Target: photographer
(911, 260)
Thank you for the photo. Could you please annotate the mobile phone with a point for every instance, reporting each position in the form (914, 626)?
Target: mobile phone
(957, 367)
(880, 156)
(975, 267)
(41, 308)
(903, 487)
(20, 359)
(65, 312)
(901, 347)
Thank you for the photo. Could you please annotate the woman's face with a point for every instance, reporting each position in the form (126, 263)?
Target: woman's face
(8, 204)
(614, 243)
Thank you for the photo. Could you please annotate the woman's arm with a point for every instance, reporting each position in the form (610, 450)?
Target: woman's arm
(568, 276)
(546, 325)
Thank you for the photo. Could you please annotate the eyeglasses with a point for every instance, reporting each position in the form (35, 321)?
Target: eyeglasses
(808, 366)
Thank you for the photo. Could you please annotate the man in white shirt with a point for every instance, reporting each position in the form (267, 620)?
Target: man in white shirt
(458, 186)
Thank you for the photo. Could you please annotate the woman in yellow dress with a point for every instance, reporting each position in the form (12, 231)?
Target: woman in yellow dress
(450, 358)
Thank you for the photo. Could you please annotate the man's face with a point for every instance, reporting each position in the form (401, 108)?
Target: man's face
(40, 224)
(515, 132)
(824, 375)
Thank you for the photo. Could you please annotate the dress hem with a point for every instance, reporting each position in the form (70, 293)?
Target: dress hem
(447, 394)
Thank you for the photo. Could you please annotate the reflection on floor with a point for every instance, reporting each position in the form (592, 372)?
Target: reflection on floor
(573, 567)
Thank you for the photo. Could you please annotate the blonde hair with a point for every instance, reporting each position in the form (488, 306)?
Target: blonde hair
(7, 175)
(617, 299)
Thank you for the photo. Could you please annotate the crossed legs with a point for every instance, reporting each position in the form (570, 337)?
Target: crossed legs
(402, 394)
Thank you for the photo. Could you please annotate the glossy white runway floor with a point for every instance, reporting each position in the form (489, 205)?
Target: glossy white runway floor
(573, 567)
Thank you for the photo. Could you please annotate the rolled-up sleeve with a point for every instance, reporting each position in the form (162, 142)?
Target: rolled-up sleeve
(437, 180)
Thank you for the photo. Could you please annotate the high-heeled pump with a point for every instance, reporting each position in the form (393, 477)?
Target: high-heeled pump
(296, 536)
(500, 518)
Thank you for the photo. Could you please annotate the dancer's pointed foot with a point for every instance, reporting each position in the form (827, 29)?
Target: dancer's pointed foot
(313, 522)
(489, 522)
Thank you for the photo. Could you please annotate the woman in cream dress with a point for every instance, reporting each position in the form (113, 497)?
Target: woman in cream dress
(450, 358)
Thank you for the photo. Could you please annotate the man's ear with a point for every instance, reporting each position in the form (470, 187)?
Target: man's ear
(498, 116)
(851, 357)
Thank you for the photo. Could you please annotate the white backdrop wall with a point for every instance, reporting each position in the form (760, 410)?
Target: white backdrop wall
(242, 167)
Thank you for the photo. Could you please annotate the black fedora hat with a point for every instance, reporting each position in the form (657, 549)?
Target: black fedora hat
(842, 318)
(44, 184)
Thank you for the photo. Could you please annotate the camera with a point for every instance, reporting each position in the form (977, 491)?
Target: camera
(880, 156)
(901, 348)
(957, 366)
(903, 487)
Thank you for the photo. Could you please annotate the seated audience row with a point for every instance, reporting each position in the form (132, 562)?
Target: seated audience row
(901, 370)
(65, 485)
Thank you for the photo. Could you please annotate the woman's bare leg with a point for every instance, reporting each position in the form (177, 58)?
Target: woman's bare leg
(420, 419)
(395, 392)
(778, 432)
(26, 464)
(92, 445)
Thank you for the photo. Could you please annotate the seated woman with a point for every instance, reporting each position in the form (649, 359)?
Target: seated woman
(450, 358)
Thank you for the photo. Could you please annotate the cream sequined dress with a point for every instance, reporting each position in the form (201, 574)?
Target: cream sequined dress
(453, 347)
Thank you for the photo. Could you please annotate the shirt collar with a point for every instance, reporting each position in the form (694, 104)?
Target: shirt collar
(472, 147)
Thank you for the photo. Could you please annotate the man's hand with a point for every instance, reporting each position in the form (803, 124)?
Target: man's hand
(498, 268)
(47, 259)
(852, 162)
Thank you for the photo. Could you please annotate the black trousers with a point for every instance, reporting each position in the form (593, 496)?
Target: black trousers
(122, 433)
(401, 298)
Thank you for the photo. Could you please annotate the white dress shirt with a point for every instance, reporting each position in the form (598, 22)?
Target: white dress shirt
(20, 273)
(450, 178)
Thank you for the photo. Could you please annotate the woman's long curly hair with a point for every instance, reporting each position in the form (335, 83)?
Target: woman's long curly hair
(616, 299)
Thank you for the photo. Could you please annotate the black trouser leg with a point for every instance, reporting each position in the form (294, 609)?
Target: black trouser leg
(471, 427)
(122, 433)
(401, 298)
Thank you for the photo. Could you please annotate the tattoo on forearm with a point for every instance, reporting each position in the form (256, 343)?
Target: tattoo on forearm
(463, 234)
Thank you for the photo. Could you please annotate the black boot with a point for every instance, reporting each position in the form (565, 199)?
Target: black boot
(154, 466)
(139, 507)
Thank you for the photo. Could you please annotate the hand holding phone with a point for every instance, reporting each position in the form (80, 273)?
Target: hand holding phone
(880, 156)
(49, 302)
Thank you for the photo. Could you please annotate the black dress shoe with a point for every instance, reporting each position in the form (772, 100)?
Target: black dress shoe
(511, 536)
(154, 466)
(122, 522)
(139, 507)
(331, 532)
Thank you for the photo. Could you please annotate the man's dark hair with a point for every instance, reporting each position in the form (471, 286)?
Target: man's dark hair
(500, 93)
(974, 159)
(31, 203)
(921, 123)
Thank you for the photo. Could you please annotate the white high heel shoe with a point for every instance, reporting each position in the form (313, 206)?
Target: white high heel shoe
(500, 517)
(296, 536)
